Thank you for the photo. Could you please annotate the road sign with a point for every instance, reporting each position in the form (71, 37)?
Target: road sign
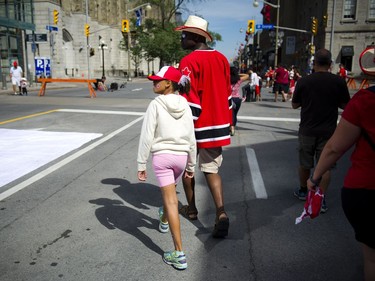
(38, 37)
(51, 28)
(264, 26)
(42, 66)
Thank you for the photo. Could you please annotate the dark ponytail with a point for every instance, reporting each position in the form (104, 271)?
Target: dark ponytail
(182, 86)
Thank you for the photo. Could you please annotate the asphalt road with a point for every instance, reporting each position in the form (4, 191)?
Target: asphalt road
(83, 215)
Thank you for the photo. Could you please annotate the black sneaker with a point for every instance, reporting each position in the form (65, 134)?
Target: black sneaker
(324, 207)
(300, 194)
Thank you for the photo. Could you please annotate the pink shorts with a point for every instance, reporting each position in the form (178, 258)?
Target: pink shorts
(168, 168)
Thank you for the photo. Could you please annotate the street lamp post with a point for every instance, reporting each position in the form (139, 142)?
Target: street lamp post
(102, 46)
(256, 4)
(127, 11)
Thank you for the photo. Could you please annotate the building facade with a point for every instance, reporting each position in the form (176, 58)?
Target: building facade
(16, 18)
(345, 27)
(50, 35)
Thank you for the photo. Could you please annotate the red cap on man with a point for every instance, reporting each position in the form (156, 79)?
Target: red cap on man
(15, 64)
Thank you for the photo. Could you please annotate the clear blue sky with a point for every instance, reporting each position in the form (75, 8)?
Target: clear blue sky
(226, 17)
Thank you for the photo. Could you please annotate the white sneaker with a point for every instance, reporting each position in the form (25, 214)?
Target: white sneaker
(163, 226)
(15, 93)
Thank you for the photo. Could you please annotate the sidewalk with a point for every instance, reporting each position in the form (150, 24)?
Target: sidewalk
(35, 87)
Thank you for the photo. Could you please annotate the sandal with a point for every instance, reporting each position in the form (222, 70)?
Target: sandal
(221, 225)
(191, 215)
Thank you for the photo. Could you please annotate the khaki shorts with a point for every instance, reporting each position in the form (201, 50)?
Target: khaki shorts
(210, 159)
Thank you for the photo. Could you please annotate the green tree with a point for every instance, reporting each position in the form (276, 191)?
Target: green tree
(156, 38)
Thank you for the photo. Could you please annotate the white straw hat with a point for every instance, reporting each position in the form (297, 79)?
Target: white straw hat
(196, 25)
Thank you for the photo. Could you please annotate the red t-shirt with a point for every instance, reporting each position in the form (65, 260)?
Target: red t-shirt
(342, 72)
(282, 76)
(360, 112)
(210, 96)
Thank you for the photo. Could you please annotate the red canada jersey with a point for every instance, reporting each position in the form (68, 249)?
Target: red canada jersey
(210, 96)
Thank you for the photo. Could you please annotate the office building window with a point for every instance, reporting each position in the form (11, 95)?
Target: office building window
(350, 8)
(371, 10)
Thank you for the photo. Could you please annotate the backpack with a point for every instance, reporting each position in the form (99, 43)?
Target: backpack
(113, 86)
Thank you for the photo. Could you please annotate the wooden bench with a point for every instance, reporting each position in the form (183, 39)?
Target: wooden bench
(44, 82)
(351, 83)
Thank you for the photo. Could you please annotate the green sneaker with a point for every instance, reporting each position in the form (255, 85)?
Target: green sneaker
(163, 226)
(176, 259)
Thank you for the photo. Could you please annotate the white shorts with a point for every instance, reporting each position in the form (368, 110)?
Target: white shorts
(16, 81)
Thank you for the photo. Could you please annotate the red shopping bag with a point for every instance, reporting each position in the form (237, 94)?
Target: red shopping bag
(313, 205)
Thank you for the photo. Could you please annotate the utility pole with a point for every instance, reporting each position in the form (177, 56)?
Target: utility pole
(87, 42)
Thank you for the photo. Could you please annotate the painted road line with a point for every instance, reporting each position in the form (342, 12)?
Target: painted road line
(27, 116)
(275, 119)
(65, 161)
(256, 176)
(102, 112)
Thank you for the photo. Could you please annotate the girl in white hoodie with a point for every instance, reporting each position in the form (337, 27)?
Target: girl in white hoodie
(168, 134)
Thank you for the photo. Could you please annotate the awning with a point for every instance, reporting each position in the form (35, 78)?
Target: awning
(347, 51)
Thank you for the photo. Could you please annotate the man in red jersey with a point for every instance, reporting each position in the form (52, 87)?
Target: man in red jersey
(211, 103)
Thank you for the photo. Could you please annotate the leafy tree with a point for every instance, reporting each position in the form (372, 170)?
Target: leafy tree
(156, 38)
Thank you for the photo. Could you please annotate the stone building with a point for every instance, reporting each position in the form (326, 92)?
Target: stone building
(51, 33)
(345, 27)
(72, 53)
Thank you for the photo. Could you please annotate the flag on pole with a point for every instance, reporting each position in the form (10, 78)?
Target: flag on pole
(138, 14)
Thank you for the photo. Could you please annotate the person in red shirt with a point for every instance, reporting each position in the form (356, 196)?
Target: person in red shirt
(269, 77)
(343, 73)
(211, 103)
(356, 128)
(281, 78)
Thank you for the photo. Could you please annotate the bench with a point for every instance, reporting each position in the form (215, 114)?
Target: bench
(363, 85)
(44, 82)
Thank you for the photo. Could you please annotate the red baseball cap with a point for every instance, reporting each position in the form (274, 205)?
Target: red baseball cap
(167, 73)
(15, 63)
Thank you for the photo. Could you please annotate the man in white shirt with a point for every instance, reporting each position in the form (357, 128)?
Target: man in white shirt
(16, 75)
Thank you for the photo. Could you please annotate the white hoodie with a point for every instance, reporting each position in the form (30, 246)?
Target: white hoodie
(167, 128)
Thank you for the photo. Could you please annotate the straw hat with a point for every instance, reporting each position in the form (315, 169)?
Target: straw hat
(196, 25)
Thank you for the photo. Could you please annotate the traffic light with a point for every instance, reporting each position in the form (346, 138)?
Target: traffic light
(55, 16)
(87, 30)
(125, 26)
(311, 49)
(250, 27)
(266, 12)
(314, 26)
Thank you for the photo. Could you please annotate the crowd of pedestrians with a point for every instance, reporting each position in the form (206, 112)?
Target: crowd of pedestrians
(195, 115)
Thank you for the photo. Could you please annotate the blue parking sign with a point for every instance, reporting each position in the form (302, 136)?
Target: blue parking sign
(42, 66)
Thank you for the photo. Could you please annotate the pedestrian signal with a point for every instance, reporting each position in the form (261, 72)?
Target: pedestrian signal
(250, 27)
(87, 30)
(55, 16)
(125, 26)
